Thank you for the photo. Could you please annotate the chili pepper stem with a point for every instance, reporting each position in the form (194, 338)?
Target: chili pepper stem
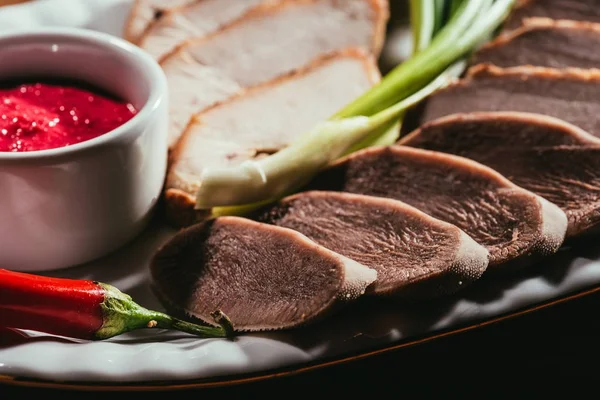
(122, 314)
(164, 321)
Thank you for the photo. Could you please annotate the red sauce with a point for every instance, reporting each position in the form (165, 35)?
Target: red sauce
(40, 116)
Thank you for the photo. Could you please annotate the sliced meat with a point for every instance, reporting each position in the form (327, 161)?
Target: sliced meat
(415, 256)
(197, 19)
(515, 225)
(577, 10)
(262, 121)
(569, 94)
(263, 277)
(273, 40)
(546, 43)
(145, 12)
(547, 156)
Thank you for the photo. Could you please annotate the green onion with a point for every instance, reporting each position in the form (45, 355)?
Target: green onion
(385, 136)
(368, 120)
(417, 71)
(427, 18)
(454, 6)
(423, 21)
(440, 11)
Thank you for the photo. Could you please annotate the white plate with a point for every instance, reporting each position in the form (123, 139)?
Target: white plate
(147, 356)
(151, 356)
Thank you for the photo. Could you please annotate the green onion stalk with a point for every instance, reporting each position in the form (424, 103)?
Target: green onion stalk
(424, 17)
(445, 32)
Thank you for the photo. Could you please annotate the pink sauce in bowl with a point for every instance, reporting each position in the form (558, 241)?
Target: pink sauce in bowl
(40, 116)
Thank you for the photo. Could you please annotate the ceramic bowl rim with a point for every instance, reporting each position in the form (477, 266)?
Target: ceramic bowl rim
(111, 44)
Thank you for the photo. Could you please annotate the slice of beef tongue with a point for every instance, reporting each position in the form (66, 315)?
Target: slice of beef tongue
(550, 157)
(515, 225)
(577, 10)
(547, 43)
(263, 277)
(569, 94)
(415, 256)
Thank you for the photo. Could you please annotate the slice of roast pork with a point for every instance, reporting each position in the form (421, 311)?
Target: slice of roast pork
(576, 10)
(270, 41)
(569, 94)
(195, 20)
(545, 155)
(546, 43)
(145, 12)
(516, 226)
(415, 255)
(263, 277)
(261, 121)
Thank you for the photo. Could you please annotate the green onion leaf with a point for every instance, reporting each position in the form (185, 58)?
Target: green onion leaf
(422, 18)
(440, 11)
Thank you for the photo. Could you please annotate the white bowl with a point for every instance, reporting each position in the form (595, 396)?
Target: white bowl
(70, 205)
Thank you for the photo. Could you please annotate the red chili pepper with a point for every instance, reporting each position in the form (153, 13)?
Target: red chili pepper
(84, 309)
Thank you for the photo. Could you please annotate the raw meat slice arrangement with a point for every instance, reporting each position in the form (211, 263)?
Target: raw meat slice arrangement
(415, 256)
(548, 156)
(262, 276)
(501, 166)
(546, 43)
(515, 225)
